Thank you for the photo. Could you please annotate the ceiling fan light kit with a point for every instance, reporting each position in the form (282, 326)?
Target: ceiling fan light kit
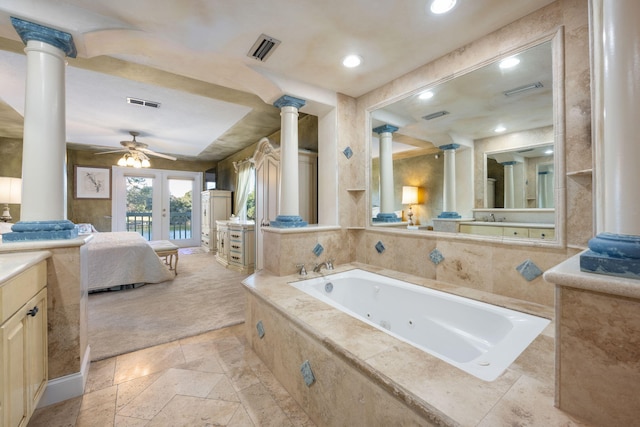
(136, 153)
(134, 159)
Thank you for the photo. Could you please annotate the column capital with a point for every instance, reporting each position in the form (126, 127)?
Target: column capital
(385, 128)
(511, 163)
(289, 101)
(449, 147)
(31, 31)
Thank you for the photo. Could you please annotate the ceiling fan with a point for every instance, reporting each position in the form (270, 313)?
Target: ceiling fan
(136, 153)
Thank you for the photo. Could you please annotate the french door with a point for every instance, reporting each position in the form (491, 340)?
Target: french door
(158, 204)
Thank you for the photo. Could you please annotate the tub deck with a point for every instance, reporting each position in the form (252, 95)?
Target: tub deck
(433, 390)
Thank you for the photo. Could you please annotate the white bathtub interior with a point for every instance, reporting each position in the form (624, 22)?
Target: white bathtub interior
(479, 338)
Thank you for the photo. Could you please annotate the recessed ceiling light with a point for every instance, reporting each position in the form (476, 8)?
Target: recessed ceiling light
(427, 94)
(548, 152)
(351, 61)
(509, 62)
(500, 129)
(442, 6)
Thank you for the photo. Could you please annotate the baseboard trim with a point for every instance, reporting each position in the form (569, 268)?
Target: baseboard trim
(69, 386)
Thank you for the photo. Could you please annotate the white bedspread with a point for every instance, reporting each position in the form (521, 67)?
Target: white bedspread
(123, 258)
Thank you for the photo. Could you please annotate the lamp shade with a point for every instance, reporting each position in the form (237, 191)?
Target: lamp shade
(409, 195)
(10, 190)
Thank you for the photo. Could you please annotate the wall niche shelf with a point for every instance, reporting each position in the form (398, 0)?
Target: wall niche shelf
(582, 176)
(584, 172)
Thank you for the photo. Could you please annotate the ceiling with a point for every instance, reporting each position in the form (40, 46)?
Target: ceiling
(473, 105)
(191, 58)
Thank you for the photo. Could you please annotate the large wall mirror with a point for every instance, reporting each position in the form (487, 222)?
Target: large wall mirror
(499, 118)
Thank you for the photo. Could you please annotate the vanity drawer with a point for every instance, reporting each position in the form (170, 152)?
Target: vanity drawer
(515, 232)
(485, 230)
(542, 233)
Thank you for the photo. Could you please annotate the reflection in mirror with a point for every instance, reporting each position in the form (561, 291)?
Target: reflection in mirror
(520, 178)
(491, 116)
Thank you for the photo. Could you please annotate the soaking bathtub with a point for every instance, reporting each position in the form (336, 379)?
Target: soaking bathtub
(479, 338)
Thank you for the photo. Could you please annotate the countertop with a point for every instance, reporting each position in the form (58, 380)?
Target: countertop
(12, 264)
(509, 224)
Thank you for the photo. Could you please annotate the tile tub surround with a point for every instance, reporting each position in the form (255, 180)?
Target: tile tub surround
(362, 372)
(598, 327)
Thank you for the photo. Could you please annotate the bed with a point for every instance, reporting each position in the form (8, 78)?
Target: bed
(123, 258)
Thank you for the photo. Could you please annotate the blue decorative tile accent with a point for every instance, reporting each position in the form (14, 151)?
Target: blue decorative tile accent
(380, 247)
(436, 256)
(613, 255)
(385, 128)
(31, 31)
(260, 328)
(348, 152)
(307, 373)
(318, 249)
(288, 221)
(529, 270)
(289, 101)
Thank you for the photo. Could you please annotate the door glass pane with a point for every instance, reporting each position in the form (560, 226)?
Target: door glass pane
(140, 205)
(180, 208)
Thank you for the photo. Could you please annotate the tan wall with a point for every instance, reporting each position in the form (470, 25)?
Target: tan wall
(425, 172)
(11, 166)
(98, 212)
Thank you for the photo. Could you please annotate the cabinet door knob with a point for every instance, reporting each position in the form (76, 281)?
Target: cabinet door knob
(33, 312)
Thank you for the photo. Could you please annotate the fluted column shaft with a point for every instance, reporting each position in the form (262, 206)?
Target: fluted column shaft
(289, 208)
(616, 248)
(43, 165)
(449, 185)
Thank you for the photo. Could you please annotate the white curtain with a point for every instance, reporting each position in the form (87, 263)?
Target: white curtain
(243, 187)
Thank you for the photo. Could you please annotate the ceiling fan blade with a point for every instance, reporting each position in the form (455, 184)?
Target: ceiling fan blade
(153, 153)
(114, 151)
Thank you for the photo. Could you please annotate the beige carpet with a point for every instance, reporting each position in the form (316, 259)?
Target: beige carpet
(204, 296)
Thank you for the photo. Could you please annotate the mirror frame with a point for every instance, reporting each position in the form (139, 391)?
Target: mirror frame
(557, 51)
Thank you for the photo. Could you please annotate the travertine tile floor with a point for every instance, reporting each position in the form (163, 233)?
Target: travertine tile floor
(214, 379)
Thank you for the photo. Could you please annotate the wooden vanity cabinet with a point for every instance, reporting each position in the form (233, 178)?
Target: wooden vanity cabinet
(23, 344)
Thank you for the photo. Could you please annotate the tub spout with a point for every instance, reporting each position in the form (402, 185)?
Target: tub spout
(318, 267)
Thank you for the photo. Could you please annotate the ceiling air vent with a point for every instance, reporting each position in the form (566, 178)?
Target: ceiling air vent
(263, 47)
(136, 101)
(435, 115)
(517, 90)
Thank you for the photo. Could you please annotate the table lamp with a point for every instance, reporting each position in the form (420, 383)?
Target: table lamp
(409, 197)
(10, 192)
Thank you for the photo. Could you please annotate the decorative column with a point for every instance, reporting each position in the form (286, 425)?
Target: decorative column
(509, 190)
(543, 189)
(449, 196)
(44, 172)
(616, 248)
(387, 196)
(288, 215)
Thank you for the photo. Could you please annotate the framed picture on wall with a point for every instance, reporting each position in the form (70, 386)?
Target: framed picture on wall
(91, 182)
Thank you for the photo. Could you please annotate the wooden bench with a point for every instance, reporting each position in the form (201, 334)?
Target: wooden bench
(166, 251)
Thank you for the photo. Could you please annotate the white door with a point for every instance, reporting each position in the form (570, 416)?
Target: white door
(159, 204)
